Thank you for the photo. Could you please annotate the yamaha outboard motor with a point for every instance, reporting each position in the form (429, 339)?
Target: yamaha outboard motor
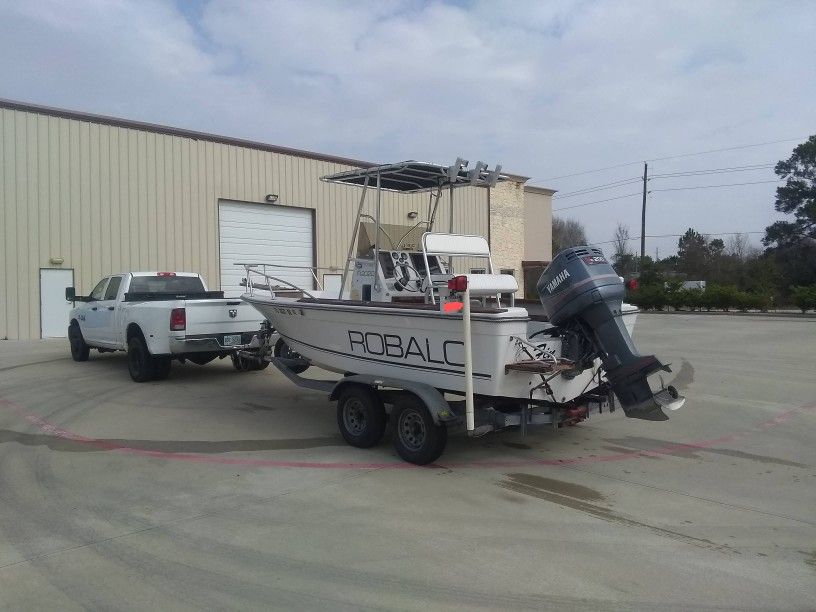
(583, 294)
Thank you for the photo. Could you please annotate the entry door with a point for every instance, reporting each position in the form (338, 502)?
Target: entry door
(263, 233)
(54, 308)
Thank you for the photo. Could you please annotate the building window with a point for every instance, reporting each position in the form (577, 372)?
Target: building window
(478, 270)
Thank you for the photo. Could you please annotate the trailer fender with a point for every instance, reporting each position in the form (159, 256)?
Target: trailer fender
(430, 396)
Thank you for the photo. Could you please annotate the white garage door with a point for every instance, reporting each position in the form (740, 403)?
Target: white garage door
(261, 233)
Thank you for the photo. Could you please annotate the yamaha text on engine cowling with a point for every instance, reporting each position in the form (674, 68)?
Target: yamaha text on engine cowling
(583, 295)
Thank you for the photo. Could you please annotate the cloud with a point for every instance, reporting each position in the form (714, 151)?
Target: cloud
(546, 88)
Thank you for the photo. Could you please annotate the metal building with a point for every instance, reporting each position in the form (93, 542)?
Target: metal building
(83, 196)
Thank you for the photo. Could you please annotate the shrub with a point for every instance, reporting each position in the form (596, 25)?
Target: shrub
(804, 297)
(648, 297)
(745, 301)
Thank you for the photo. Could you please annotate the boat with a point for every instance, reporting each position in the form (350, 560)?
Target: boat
(412, 335)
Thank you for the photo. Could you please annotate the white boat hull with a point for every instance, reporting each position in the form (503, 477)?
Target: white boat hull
(417, 345)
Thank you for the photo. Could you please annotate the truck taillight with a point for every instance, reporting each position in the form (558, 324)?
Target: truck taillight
(178, 319)
(165, 273)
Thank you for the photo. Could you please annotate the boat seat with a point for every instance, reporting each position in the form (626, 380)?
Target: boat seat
(486, 285)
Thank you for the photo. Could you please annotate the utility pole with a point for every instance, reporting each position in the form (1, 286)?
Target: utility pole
(643, 218)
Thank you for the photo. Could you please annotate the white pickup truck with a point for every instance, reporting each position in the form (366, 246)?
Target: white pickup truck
(157, 317)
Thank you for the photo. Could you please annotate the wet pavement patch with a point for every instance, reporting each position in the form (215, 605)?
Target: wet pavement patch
(204, 447)
(678, 449)
(580, 498)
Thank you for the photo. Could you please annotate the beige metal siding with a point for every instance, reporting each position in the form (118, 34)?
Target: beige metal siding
(109, 199)
(537, 226)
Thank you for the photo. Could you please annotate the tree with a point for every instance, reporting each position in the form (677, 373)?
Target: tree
(714, 267)
(693, 254)
(796, 197)
(793, 243)
(738, 247)
(622, 258)
(566, 233)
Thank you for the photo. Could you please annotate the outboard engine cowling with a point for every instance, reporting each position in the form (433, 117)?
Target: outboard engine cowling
(580, 291)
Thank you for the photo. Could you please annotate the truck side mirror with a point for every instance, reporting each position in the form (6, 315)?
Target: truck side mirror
(70, 294)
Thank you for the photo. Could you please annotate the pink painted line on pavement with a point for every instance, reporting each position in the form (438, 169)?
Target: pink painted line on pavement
(670, 449)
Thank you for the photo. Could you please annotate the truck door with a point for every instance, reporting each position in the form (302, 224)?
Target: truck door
(91, 318)
(107, 311)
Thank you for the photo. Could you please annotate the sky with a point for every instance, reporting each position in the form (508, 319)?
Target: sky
(547, 89)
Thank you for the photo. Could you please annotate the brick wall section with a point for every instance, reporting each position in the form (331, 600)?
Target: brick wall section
(507, 228)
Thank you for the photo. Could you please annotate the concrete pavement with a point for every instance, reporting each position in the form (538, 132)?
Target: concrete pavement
(215, 489)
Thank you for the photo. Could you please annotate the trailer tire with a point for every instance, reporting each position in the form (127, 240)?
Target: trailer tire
(140, 362)
(360, 416)
(416, 437)
(284, 350)
(79, 350)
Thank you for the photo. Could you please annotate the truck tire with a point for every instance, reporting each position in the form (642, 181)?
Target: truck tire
(79, 350)
(284, 350)
(360, 416)
(416, 437)
(140, 362)
(161, 367)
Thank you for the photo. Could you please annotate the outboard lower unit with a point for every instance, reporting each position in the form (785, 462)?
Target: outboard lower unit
(583, 294)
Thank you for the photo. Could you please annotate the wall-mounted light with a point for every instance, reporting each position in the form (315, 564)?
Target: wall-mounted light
(57, 261)
(413, 214)
(271, 198)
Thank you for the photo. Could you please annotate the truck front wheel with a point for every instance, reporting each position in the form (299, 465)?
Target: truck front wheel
(140, 362)
(79, 350)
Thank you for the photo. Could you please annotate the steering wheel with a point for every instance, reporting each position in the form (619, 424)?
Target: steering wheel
(398, 281)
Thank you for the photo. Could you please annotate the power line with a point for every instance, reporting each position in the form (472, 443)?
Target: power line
(714, 186)
(628, 195)
(629, 181)
(680, 235)
(619, 183)
(715, 171)
(678, 156)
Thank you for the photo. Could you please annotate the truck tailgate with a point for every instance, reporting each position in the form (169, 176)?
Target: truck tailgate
(220, 316)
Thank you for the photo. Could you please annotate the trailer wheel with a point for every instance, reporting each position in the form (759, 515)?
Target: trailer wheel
(140, 363)
(79, 350)
(360, 416)
(417, 438)
(284, 350)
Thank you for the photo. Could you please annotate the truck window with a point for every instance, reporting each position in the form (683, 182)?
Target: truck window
(166, 284)
(113, 287)
(99, 290)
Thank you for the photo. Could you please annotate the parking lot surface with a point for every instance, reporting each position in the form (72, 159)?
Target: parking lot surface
(224, 490)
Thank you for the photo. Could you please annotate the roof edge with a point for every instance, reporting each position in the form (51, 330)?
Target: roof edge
(172, 131)
(541, 190)
(195, 135)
